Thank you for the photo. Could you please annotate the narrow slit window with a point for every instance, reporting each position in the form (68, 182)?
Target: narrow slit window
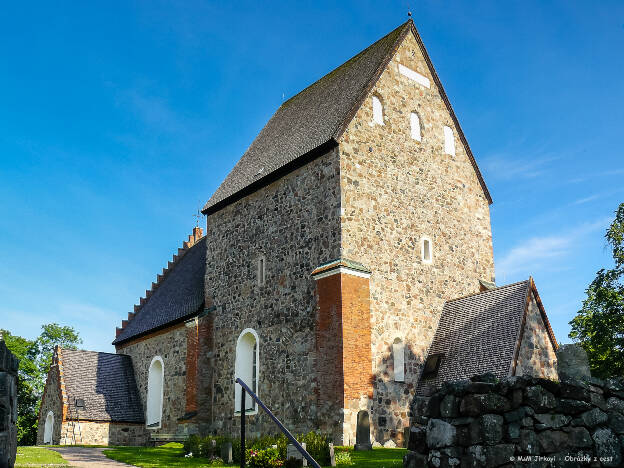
(415, 126)
(377, 111)
(449, 141)
(427, 250)
(398, 358)
(261, 271)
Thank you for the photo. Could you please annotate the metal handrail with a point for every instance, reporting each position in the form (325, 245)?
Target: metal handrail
(246, 389)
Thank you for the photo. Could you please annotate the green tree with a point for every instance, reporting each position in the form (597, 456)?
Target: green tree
(599, 325)
(35, 357)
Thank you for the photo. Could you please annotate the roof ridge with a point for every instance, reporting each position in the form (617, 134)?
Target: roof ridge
(91, 351)
(193, 240)
(487, 291)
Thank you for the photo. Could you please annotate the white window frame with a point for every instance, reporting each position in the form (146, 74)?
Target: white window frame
(378, 111)
(162, 393)
(238, 364)
(398, 360)
(415, 127)
(449, 140)
(422, 250)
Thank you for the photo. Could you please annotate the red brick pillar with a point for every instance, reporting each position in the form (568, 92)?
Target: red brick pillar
(192, 352)
(343, 345)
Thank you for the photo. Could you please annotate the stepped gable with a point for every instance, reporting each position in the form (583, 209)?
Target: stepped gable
(479, 333)
(105, 382)
(311, 122)
(177, 294)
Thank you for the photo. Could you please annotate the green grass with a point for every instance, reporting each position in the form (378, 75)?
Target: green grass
(172, 455)
(38, 456)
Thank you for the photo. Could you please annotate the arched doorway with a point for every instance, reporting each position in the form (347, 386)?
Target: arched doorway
(48, 429)
(155, 381)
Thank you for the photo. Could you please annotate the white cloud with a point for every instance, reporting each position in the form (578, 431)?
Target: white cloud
(505, 166)
(544, 251)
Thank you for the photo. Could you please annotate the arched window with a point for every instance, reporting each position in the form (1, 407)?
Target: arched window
(415, 126)
(398, 359)
(377, 111)
(247, 368)
(155, 381)
(449, 141)
(48, 429)
(427, 250)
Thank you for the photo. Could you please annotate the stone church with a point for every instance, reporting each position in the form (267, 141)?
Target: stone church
(346, 266)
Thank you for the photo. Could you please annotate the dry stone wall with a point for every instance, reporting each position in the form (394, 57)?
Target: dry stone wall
(519, 421)
(8, 405)
(395, 191)
(106, 433)
(294, 223)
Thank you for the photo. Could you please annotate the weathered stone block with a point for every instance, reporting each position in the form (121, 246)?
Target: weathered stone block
(497, 455)
(575, 390)
(572, 362)
(449, 408)
(528, 442)
(568, 406)
(554, 421)
(594, 417)
(616, 422)
(417, 441)
(579, 437)
(552, 441)
(474, 405)
(414, 460)
(615, 404)
(487, 429)
(608, 447)
(539, 399)
(440, 434)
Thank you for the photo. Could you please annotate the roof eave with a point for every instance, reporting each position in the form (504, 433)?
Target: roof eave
(271, 177)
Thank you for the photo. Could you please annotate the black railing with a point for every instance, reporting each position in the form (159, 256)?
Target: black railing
(246, 389)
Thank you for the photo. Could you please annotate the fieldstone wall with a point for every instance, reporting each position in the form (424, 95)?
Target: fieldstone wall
(395, 190)
(52, 400)
(170, 344)
(295, 224)
(8, 405)
(537, 356)
(519, 421)
(106, 433)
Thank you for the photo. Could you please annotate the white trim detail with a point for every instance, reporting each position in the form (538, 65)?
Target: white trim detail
(414, 76)
(423, 252)
(154, 404)
(398, 360)
(346, 270)
(244, 370)
(415, 131)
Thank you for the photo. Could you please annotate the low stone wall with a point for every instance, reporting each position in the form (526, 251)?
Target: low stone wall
(519, 421)
(8, 405)
(103, 433)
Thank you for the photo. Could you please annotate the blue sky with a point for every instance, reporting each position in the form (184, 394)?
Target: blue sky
(117, 119)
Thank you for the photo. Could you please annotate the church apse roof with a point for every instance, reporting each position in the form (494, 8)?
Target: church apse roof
(310, 123)
(106, 384)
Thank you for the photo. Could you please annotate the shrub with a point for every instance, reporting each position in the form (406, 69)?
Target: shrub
(192, 445)
(317, 445)
(293, 462)
(343, 458)
(267, 458)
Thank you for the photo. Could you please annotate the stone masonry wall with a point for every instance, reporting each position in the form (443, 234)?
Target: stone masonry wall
(537, 356)
(519, 421)
(395, 191)
(51, 401)
(107, 433)
(170, 345)
(8, 405)
(294, 224)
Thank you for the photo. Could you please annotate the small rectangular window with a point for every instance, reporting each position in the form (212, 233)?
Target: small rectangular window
(415, 126)
(432, 365)
(261, 271)
(415, 76)
(449, 141)
(427, 254)
(398, 355)
(377, 111)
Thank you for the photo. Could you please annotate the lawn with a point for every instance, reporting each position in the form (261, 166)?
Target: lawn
(172, 455)
(38, 456)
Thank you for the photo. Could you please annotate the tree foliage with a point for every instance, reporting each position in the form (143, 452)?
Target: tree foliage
(35, 357)
(599, 325)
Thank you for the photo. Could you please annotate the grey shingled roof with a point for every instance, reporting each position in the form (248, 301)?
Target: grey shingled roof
(180, 294)
(478, 334)
(317, 116)
(105, 382)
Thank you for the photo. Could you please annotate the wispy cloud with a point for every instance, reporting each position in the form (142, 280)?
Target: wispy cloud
(581, 201)
(506, 166)
(545, 251)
